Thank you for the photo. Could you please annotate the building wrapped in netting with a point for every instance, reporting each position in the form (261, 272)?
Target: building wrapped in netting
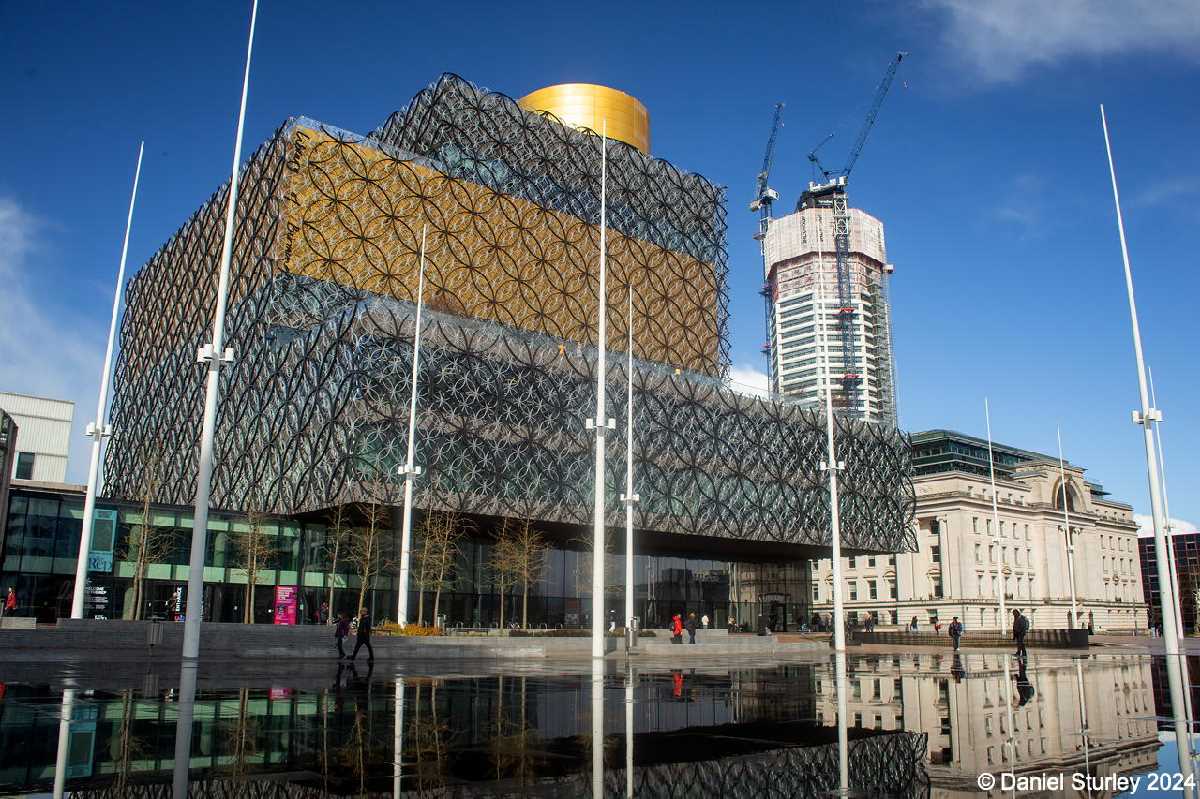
(314, 413)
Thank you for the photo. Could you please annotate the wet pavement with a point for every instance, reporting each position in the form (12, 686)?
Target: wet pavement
(912, 725)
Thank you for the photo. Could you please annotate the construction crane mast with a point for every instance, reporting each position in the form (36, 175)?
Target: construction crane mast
(832, 194)
(764, 195)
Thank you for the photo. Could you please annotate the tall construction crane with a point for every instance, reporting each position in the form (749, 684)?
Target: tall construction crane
(832, 194)
(764, 195)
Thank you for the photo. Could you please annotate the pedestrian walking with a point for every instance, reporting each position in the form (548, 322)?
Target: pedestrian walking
(340, 631)
(1025, 690)
(10, 602)
(704, 621)
(956, 631)
(690, 625)
(912, 626)
(364, 635)
(1020, 628)
(676, 629)
(956, 668)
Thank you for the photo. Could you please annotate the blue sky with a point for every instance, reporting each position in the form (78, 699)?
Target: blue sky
(987, 168)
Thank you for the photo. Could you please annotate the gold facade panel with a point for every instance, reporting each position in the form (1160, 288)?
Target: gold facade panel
(354, 216)
(587, 105)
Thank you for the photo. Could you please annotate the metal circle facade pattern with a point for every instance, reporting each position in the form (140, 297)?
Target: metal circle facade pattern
(315, 411)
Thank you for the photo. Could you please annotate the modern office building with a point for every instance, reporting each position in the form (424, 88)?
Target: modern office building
(315, 407)
(43, 437)
(1187, 571)
(807, 313)
(962, 559)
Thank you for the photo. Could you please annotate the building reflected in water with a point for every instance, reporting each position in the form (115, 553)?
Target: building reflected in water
(1032, 723)
(918, 726)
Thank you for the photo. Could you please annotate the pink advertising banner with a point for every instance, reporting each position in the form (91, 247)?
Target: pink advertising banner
(285, 604)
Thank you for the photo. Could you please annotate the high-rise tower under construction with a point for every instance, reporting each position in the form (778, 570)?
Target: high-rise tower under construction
(809, 316)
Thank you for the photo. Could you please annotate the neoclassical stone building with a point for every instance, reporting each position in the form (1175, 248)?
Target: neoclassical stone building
(961, 561)
(978, 720)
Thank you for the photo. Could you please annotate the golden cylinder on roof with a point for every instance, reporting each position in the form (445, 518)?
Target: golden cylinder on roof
(587, 105)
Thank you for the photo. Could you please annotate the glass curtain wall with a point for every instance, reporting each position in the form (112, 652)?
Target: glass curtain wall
(43, 538)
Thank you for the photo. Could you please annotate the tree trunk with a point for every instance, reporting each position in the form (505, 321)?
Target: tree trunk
(337, 544)
(137, 591)
(420, 603)
(437, 594)
(501, 608)
(525, 606)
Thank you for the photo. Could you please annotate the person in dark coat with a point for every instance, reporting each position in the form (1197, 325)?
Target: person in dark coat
(956, 668)
(364, 635)
(956, 631)
(340, 632)
(1025, 689)
(1020, 628)
(690, 625)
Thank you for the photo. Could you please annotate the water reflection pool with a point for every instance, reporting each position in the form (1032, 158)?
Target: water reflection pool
(913, 726)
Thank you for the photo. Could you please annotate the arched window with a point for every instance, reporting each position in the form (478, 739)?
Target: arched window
(1072, 499)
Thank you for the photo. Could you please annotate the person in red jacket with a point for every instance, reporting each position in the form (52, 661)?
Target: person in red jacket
(677, 629)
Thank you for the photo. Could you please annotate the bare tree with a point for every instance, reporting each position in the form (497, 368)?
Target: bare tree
(254, 549)
(146, 543)
(336, 536)
(530, 549)
(441, 538)
(517, 558)
(368, 549)
(504, 564)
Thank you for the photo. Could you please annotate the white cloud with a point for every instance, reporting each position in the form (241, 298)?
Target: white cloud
(748, 380)
(1167, 190)
(1020, 205)
(43, 351)
(1003, 39)
(1146, 526)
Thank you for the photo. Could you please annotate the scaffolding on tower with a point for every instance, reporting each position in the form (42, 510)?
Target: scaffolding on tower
(831, 194)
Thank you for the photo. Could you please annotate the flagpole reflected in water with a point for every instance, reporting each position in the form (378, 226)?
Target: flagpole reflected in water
(64, 741)
(1083, 721)
(843, 733)
(629, 699)
(1009, 742)
(398, 738)
(597, 728)
(186, 709)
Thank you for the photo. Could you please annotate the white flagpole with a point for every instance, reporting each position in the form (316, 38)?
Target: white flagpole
(832, 465)
(213, 355)
(1162, 470)
(1062, 475)
(409, 470)
(1146, 416)
(629, 498)
(987, 415)
(99, 429)
(600, 424)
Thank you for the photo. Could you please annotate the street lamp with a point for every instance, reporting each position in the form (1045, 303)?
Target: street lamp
(100, 430)
(213, 355)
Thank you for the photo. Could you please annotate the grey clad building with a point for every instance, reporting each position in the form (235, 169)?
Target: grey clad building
(314, 412)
